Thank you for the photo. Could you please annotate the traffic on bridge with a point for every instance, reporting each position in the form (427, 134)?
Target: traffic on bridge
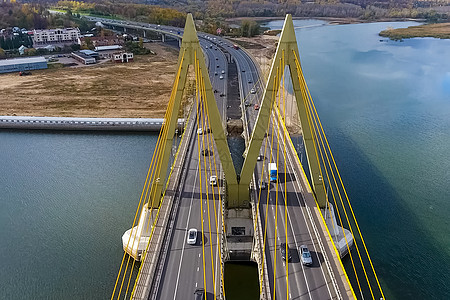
(200, 210)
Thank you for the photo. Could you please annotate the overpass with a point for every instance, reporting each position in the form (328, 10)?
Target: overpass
(245, 217)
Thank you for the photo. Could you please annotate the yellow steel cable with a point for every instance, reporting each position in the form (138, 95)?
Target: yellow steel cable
(305, 97)
(197, 76)
(329, 149)
(129, 279)
(321, 216)
(135, 217)
(342, 184)
(163, 194)
(267, 204)
(322, 152)
(160, 139)
(210, 140)
(139, 205)
(277, 81)
(204, 120)
(261, 178)
(157, 213)
(221, 207)
(285, 178)
(321, 142)
(337, 209)
(158, 168)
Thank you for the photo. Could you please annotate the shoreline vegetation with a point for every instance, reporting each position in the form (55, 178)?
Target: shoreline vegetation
(439, 30)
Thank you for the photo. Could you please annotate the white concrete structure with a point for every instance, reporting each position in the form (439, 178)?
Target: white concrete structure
(122, 57)
(56, 36)
(66, 123)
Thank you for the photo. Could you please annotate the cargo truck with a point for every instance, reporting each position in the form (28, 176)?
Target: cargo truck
(273, 171)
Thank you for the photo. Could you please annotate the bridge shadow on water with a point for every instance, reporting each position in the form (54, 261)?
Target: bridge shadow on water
(399, 246)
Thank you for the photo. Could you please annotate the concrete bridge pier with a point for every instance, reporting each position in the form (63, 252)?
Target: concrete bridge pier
(145, 34)
(163, 38)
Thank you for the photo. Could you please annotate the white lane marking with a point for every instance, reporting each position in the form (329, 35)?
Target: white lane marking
(185, 235)
(309, 231)
(292, 229)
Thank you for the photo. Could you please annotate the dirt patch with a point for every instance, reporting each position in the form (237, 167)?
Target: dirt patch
(138, 89)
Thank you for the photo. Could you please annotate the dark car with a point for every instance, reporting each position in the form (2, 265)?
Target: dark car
(283, 252)
(24, 73)
(199, 294)
(207, 152)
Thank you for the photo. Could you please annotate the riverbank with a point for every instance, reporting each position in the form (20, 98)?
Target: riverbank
(139, 89)
(440, 31)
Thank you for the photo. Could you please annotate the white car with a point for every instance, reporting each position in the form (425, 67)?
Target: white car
(305, 256)
(200, 131)
(252, 91)
(221, 77)
(223, 71)
(213, 180)
(192, 236)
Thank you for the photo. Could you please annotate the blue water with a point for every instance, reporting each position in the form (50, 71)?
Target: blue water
(385, 107)
(66, 199)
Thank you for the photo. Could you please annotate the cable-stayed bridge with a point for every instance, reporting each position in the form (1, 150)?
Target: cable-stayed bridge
(264, 211)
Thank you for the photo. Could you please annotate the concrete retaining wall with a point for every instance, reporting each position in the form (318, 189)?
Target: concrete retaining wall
(60, 123)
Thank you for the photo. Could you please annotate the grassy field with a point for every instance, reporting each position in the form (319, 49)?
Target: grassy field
(440, 30)
(137, 89)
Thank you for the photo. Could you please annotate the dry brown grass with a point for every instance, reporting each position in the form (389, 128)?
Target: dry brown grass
(138, 89)
(440, 30)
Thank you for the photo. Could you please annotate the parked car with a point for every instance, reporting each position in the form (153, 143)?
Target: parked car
(24, 73)
(200, 131)
(305, 255)
(256, 106)
(283, 252)
(252, 91)
(192, 236)
(221, 77)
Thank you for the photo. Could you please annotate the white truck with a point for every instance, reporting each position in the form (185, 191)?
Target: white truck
(273, 171)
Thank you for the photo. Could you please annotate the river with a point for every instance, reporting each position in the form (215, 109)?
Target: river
(385, 107)
(67, 197)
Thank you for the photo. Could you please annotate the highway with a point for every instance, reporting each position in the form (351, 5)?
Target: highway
(184, 269)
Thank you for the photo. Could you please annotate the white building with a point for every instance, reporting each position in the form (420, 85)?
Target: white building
(122, 57)
(59, 36)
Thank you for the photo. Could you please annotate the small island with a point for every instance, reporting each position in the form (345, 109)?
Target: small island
(439, 30)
